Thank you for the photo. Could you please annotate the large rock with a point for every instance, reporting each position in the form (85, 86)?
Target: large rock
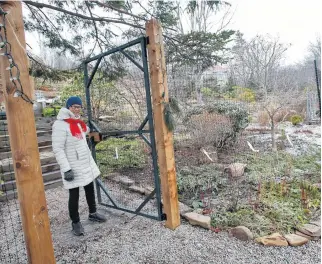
(306, 236)
(137, 189)
(316, 223)
(242, 233)
(236, 170)
(296, 240)
(198, 219)
(124, 180)
(311, 230)
(184, 209)
(114, 176)
(148, 190)
(275, 239)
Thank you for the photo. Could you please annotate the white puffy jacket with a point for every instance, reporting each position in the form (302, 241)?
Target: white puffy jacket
(72, 153)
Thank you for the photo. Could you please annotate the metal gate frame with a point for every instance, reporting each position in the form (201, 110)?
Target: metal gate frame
(143, 41)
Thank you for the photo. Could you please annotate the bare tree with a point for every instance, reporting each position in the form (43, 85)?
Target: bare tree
(272, 107)
(297, 77)
(279, 106)
(203, 16)
(201, 26)
(54, 59)
(256, 62)
(315, 49)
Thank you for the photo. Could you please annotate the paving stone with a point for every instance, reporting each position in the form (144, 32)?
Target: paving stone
(123, 180)
(296, 240)
(275, 239)
(198, 219)
(137, 189)
(306, 236)
(310, 229)
(148, 190)
(316, 223)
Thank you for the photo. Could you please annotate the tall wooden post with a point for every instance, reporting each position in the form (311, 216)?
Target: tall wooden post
(2, 81)
(24, 145)
(164, 138)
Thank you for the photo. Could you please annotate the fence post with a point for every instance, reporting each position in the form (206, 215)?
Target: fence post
(164, 138)
(24, 145)
(317, 85)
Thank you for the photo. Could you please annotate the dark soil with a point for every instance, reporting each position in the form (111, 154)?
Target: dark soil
(187, 156)
(143, 177)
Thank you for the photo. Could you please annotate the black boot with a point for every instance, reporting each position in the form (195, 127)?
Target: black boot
(96, 217)
(78, 229)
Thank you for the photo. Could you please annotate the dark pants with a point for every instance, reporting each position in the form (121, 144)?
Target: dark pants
(74, 198)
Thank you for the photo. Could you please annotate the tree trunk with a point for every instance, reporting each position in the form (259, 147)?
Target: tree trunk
(198, 87)
(274, 148)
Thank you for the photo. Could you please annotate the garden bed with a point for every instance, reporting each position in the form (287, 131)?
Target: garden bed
(277, 192)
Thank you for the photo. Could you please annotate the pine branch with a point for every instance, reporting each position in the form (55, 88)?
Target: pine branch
(145, 10)
(95, 27)
(41, 5)
(118, 10)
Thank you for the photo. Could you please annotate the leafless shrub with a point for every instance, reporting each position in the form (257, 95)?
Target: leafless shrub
(210, 129)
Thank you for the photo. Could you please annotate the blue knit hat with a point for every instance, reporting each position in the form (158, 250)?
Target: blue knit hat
(73, 100)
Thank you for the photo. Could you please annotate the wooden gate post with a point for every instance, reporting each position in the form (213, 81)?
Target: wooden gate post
(24, 144)
(164, 138)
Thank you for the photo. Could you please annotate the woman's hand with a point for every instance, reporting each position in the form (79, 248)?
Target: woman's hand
(69, 175)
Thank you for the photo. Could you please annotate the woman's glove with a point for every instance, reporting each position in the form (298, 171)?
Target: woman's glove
(69, 175)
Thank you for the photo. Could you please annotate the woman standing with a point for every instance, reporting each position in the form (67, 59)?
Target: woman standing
(77, 165)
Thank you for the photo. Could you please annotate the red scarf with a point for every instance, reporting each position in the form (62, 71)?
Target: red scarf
(74, 128)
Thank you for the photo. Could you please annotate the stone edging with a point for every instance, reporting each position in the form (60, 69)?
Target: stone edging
(305, 233)
(129, 184)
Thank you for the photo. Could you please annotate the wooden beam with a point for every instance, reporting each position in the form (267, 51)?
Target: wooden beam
(164, 138)
(2, 81)
(24, 145)
(32, 88)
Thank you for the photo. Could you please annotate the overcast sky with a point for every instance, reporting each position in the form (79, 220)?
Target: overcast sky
(295, 22)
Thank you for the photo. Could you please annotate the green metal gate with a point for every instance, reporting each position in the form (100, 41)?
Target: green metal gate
(104, 187)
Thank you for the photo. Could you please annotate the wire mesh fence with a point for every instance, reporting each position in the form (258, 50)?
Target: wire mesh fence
(312, 112)
(243, 157)
(12, 246)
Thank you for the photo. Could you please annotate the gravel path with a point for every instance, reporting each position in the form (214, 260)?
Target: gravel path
(144, 241)
(126, 239)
